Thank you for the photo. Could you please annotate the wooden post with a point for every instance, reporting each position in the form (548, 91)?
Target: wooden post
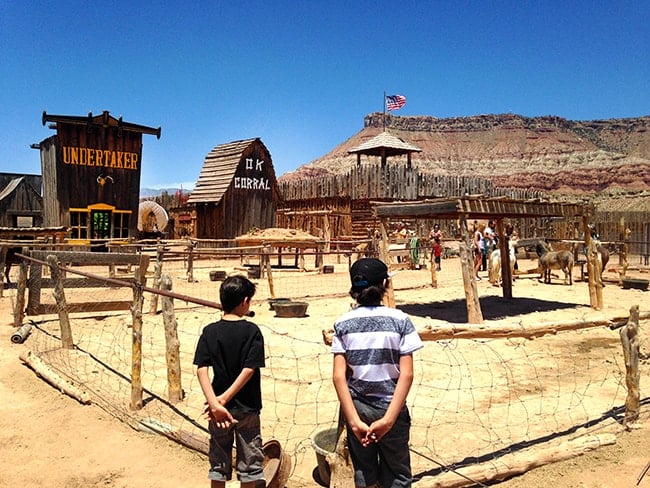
(19, 310)
(172, 344)
(3, 259)
(301, 254)
(594, 267)
(61, 305)
(630, 340)
(269, 275)
(53, 378)
(34, 293)
(474, 314)
(434, 276)
(190, 263)
(326, 233)
(517, 462)
(383, 245)
(136, 343)
(622, 256)
(389, 297)
(593, 297)
(153, 305)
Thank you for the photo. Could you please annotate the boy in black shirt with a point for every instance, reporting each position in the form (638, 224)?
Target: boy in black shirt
(234, 348)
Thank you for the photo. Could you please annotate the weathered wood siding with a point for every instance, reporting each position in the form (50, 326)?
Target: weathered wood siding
(20, 198)
(87, 156)
(353, 193)
(54, 214)
(250, 200)
(91, 173)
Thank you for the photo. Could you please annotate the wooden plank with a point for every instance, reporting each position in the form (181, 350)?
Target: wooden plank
(51, 308)
(84, 283)
(88, 258)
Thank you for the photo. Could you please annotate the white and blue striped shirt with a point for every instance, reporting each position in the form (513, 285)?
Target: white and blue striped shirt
(373, 339)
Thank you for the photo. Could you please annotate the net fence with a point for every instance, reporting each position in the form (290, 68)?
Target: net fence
(472, 400)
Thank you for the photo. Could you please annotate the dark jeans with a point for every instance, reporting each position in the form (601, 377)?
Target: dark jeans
(387, 461)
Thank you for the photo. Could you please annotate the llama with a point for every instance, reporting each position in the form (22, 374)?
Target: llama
(10, 259)
(549, 260)
(494, 263)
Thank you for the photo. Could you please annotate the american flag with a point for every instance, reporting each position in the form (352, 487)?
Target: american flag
(394, 102)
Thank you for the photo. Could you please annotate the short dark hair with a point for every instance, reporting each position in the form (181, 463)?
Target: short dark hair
(369, 296)
(368, 276)
(234, 290)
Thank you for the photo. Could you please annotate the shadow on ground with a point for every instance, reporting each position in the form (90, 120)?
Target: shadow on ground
(493, 308)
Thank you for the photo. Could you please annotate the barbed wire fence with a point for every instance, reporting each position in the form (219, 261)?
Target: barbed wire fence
(473, 401)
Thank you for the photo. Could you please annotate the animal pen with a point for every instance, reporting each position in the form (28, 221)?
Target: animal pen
(483, 407)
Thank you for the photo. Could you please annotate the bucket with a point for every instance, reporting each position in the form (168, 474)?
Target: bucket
(636, 283)
(324, 443)
(273, 301)
(328, 268)
(217, 275)
(290, 309)
(254, 273)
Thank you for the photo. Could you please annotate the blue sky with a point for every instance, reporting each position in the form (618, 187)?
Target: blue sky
(301, 75)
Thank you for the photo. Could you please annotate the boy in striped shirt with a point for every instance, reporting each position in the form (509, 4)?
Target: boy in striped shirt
(373, 372)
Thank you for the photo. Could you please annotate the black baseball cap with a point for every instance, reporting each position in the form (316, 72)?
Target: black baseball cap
(368, 271)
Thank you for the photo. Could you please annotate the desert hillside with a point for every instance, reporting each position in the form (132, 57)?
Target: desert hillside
(546, 153)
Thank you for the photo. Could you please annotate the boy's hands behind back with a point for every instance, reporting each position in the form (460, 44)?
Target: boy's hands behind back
(220, 415)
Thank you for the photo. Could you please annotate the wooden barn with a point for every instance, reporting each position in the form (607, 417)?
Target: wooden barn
(91, 175)
(236, 191)
(21, 204)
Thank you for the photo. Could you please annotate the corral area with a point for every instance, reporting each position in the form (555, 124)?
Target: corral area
(495, 401)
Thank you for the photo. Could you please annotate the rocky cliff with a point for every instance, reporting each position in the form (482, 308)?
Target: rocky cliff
(545, 153)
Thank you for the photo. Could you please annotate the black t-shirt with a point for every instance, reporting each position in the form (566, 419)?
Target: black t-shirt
(229, 346)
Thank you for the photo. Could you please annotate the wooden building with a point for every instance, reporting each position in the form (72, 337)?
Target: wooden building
(236, 191)
(91, 175)
(21, 204)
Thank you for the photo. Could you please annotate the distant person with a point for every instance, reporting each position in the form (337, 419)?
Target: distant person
(373, 373)
(234, 348)
(401, 231)
(478, 247)
(435, 236)
(490, 235)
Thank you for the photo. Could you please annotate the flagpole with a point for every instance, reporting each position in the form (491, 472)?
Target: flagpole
(384, 117)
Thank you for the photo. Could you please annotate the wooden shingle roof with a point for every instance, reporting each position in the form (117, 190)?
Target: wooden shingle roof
(9, 189)
(480, 207)
(218, 171)
(385, 144)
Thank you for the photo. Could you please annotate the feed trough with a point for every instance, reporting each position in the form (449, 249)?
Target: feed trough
(273, 301)
(636, 283)
(290, 309)
(217, 275)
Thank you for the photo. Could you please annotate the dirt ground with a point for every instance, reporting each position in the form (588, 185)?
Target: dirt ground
(48, 439)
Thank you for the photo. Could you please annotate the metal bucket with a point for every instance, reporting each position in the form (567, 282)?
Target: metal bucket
(324, 443)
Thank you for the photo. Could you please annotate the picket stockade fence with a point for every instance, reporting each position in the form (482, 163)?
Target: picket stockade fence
(486, 402)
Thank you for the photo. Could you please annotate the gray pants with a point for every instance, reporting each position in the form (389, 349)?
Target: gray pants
(387, 462)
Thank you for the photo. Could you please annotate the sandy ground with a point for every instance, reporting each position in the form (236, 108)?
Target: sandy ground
(48, 439)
